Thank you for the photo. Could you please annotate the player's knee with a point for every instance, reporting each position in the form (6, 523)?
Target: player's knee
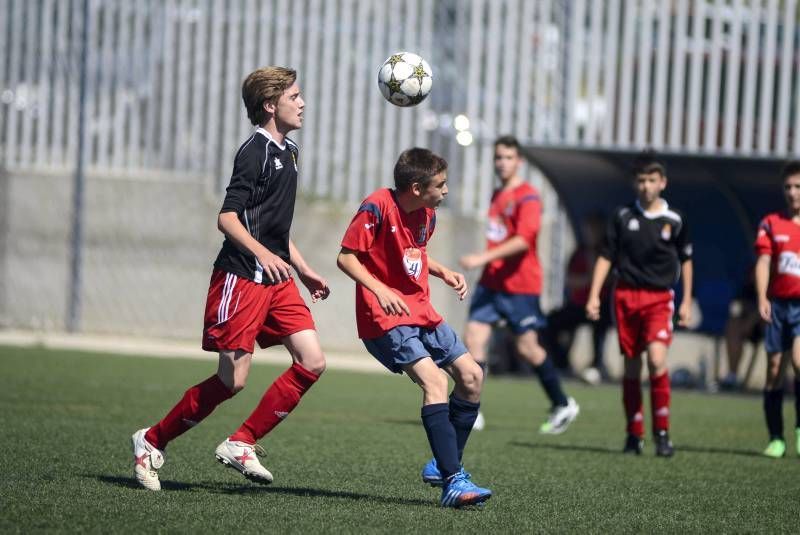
(315, 364)
(471, 381)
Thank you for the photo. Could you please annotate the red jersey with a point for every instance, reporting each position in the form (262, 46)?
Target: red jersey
(779, 237)
(391, 244)
(514, 212)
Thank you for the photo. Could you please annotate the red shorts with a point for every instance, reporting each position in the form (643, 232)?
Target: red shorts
(240, 312)
(643, 316)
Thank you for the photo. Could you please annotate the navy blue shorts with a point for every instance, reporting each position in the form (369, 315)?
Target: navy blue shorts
(785, 325)
(406, 344)
(521, 311)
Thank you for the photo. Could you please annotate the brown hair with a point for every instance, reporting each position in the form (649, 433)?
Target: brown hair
(265, 85)
(508, 141)
(417, 166)
(791, 168)
(647, 162)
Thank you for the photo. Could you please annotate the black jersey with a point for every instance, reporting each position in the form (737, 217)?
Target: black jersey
(262, 193)
(647, 249)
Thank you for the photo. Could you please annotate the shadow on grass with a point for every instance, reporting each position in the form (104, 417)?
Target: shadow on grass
(565, 447)
(228, 488)
(678, 448)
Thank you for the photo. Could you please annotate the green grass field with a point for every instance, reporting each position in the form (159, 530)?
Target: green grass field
(348, 459)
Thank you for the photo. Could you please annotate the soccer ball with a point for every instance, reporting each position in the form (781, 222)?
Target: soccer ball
(405, 79)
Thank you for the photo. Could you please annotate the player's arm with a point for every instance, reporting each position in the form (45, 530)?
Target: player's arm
(763, 265)
(601, 269)
(511, 247)
(452, 278)
(685, 308)
(316, 284)
(390, 302)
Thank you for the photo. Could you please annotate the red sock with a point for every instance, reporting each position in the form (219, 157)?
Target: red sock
(632, 399)
(197, 403)
(278, 401)
(659, 401)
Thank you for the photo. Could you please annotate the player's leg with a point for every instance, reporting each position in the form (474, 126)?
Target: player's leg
(457, 489)
(660, 393)
(777, 341)
(632, 402)
(476, 338)
(796, 366)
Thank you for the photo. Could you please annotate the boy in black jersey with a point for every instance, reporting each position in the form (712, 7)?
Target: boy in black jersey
(252, 295)
(648, 245)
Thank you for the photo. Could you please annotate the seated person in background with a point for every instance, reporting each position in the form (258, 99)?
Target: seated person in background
(559, 334)
(744, 324)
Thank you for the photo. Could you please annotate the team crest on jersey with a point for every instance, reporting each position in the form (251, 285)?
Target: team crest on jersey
(633, 224)
(412, 261)
(423, 234)
(496, 231)
(278, 164)
(666, 232)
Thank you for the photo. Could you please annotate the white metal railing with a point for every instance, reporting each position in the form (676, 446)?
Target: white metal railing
(692, 76)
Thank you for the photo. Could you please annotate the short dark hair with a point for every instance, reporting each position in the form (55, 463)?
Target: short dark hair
(419, 166)
(508, 141)
(647, 162)
(265, 85)
(791, 167)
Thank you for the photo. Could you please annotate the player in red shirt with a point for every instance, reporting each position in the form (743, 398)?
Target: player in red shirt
(385, 251)
(252, 295)
(647, 243)
(511, 282)
(777, 276)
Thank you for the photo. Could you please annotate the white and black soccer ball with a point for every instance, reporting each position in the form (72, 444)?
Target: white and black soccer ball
(405, 79)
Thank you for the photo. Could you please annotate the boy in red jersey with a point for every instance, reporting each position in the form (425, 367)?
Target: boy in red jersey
(252, 296)
(385, 251)
(511, 282)
(647, 243)
(778, 289)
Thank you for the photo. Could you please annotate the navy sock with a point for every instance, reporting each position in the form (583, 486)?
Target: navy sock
(773, 410)
(442, 438)
(797, 402)
(550, 382)
(462, 416)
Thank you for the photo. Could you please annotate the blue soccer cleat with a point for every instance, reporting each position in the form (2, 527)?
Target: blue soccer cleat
(432, 476)
(460, 491)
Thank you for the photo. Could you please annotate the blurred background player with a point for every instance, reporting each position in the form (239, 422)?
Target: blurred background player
(778, 289)
(252, 296)
(743, 325)
(559, 334)
(511, 282)
(647, 244)
(384, 251)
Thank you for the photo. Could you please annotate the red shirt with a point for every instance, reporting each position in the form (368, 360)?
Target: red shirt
(514, 212)
(779, 237)
(391, 245)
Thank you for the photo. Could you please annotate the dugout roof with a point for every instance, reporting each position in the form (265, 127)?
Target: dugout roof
(723, 199)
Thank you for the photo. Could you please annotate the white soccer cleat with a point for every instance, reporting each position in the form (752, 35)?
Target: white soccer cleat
(591, 376)
(480, 422)
(560, 418)
(244, 458)
(146, 461)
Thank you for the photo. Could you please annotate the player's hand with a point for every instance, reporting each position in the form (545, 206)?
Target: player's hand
(765, 310)
(317, 285)
(391, 303)
(457, 282)
(685, 313)
(275, 269)
(593, 308)
(471, 261)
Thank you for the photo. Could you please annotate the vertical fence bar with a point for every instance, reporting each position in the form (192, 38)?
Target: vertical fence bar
(610, 68)
(658, 126)
(323, 127)
(29, 78)
(525, 49)
(215, 109)
(765, 112)
(574, 69)
(696, 75)
(593, 60)
(541, 75)
(784, 89)
(473, 104)
(44, 119)
(751, 76)
(732, 85)
(626, 76)
(60, 86)
(123, 86)
(343, 134)
(713, 89)
(643, 87)
(312, 110)
(677, 103)
(510, 66)
(375, 101)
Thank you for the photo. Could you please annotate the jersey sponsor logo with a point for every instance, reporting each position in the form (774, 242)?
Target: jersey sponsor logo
(412, 261)
(278, 164)
(633, 224)
(666, 232)
(789, 263)
(496, 231)
(780, 238)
